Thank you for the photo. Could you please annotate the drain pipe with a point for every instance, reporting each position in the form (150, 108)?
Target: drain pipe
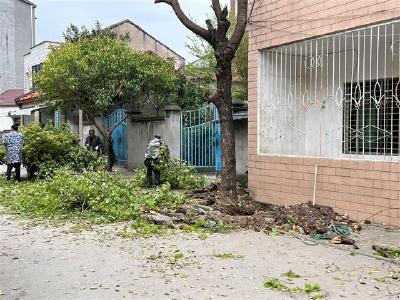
(315, 183)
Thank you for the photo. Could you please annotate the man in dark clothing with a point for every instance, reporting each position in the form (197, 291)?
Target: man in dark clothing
(13, 142)
(93, 142)
(152, 157)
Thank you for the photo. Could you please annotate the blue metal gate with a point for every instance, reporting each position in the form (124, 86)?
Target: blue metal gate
(201, 138)
(119, 134)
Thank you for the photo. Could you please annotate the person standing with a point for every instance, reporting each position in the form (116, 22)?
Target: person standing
(152, 158)
(13, 141)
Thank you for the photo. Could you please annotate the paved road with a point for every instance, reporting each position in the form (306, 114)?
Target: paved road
(39, 262)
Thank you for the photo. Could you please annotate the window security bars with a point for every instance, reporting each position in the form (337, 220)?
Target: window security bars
(35, 69)
(371, 124)
(335, 96)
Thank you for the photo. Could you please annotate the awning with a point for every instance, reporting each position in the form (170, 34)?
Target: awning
(23, 112)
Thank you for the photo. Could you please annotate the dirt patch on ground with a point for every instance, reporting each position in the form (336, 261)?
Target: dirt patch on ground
(247, 213)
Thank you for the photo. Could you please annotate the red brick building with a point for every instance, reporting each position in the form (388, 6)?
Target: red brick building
(324, 105)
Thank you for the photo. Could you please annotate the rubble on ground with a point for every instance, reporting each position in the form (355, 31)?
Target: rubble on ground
(246, 213)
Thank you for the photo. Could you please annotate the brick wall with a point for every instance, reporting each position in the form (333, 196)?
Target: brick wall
(359, 188)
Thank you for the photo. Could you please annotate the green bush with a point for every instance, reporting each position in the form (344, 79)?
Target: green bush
(3, 155)
(101, 196)
(50, 148)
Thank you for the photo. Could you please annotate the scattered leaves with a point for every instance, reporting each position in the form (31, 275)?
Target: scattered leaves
(290, 274)
(227, 255)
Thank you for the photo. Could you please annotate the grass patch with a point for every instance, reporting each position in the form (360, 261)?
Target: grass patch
(227, 255)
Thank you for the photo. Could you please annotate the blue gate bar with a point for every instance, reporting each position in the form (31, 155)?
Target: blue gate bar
(119, 134)
(200, 136)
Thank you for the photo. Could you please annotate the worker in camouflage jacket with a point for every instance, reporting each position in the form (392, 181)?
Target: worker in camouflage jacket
(152, 159)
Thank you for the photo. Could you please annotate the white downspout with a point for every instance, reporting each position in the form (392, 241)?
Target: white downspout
(315, 184)
(33, 25)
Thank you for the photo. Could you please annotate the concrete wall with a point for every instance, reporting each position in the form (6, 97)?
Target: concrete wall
(15, 41)
(140, 133)
(142, 41)
(241, 132)
(5, 121)
(360, 188)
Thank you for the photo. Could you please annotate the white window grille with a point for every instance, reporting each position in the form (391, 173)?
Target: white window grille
(336, 96)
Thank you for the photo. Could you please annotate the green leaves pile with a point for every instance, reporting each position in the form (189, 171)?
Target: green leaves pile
(101, 197)
(74, 185)
(49, 148)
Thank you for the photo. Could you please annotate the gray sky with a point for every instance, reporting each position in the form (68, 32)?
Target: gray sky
(53, 16)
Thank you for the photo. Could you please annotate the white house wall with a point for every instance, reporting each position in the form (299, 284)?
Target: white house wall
(5, 120)
(37, 55)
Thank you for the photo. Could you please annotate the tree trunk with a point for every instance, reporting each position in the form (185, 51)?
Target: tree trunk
(109, 149)
(224, 106)
(108, 145)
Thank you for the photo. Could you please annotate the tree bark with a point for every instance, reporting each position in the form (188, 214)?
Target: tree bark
(223, 102)
(108, 147)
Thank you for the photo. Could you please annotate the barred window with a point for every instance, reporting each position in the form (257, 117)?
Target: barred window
(35, 69)
(335, 96)
(371, 117)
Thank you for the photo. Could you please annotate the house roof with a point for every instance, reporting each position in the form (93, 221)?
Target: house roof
(8, 97)
(141, 29)
(41, 43)
(26, 98)
(29, 2)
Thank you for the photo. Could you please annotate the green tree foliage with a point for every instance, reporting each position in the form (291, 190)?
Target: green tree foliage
(100, 73)
(190, 93)
(73, 33)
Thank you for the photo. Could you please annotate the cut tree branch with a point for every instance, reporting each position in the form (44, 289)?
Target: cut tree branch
(240, 24)
(186, 21)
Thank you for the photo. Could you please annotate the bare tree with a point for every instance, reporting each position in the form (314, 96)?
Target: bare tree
(224, 49)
